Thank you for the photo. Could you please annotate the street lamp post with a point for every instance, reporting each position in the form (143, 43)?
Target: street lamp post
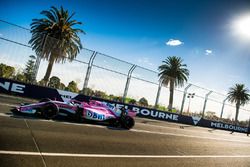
(190, 96)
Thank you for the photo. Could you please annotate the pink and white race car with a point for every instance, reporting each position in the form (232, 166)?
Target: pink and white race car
(80, 111)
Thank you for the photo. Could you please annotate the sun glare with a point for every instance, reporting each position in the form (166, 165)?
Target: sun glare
(242, 26)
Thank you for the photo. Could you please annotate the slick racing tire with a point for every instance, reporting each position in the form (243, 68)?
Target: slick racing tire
(114, 122)
(49, 110)
(127, 122)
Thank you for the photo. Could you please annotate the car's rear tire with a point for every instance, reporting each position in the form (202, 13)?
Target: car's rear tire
(49, 110)
(114, 122)
(127, 122)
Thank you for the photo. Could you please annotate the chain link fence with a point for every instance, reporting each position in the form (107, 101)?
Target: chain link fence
(97, 74)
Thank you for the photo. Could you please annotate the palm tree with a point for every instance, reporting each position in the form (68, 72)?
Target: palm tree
(238, 94)
(174, 73)
(54, 38)
(143, 102)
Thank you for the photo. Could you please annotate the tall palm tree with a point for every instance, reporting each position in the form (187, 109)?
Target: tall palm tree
(174, 73)
(54, 38)
(239, 95)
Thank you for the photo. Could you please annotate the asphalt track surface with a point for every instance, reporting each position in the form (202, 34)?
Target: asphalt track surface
(28, 141)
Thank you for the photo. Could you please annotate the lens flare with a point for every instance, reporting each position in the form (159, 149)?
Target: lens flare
(242, 26)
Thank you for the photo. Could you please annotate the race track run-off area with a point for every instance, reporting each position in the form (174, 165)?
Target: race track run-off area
(30, 141)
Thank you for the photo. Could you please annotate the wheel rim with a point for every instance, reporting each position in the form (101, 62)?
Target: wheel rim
(50, 111)
(129, 123)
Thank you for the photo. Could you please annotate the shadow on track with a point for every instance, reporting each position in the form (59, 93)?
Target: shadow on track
(62, 119)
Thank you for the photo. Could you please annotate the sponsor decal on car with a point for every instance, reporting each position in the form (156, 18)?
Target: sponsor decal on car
(94, 115)
(29, 111)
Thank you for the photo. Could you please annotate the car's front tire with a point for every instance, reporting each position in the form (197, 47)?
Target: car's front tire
(49, 110)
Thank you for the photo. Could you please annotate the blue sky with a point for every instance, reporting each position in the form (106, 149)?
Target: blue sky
(138, 30)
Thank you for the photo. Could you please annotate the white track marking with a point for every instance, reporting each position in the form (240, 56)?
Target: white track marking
(118, 156)
(9, 105)
(34, 140)
(179, 125)
(88, 125)
(5, 115)
(189, 136)
(19, 152)
(188, 130)
(24, 117)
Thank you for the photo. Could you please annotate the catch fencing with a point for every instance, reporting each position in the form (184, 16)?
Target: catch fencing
(104, 76)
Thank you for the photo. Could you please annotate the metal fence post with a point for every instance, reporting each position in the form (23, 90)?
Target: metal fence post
(248, 127)
(86, 80)
(184, 97)
(222, 109)
(205, 103)
(36, 68)
(127, 83)
(158, 92)
(38, 58)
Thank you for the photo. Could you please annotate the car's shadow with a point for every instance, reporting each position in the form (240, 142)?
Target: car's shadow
(116, 128)
(23, 116)
(61, 119)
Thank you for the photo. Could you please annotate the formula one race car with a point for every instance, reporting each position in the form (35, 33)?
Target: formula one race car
(80, 111)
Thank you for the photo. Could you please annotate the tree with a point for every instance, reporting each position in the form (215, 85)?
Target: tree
(111, 97)
(20, 77)
(143, 101)
(131, 101)
(100, 94)
(54, 38)
(117, 98)
(174, 73)
(41, 82)
(160, 107)
(62, 86)
(72, 87)
(54, 82)
(6, 71)
(239, 95)
(87, 91)
(29, 69)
